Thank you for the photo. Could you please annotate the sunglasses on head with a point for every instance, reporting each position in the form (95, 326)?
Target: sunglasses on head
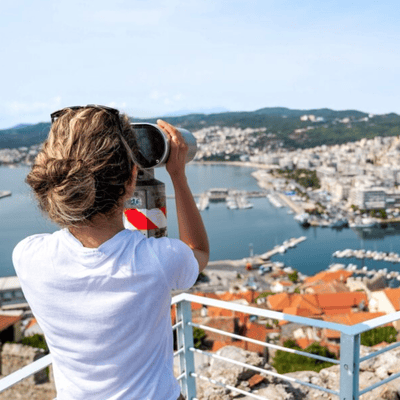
(112, 111)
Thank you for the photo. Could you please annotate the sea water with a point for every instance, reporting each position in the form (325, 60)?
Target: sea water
(231, 232)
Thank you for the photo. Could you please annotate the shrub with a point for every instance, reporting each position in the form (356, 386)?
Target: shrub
(289, 362)
(378, 335)
(37, 341)
(264, 294)
(198, 337)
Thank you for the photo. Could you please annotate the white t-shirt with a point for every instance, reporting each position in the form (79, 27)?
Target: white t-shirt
(105, 312)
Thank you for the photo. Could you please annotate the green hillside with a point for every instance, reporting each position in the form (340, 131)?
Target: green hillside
(283, 122)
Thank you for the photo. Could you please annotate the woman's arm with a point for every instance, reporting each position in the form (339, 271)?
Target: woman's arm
(190, 224)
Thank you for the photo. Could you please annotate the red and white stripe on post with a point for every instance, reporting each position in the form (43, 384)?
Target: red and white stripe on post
(145, 220)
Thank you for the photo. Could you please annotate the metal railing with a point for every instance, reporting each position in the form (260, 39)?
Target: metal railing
(349, 349)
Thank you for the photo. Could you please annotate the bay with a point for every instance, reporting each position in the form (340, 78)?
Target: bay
(230, 231)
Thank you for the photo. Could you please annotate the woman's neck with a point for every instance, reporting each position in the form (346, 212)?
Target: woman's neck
(101, 229)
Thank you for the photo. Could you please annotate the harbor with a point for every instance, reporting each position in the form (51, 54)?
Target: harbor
(230, 231)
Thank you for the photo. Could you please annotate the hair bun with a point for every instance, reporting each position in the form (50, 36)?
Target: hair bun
(82, 169)
(59, 171)
(70, 179)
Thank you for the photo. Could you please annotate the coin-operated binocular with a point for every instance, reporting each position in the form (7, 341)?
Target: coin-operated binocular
(146, 210)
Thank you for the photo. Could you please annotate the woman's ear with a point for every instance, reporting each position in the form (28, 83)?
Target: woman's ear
(130, 187)
(134, 173)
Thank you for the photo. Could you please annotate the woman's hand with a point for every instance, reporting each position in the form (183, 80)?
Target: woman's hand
(178, 149)
(191, 227)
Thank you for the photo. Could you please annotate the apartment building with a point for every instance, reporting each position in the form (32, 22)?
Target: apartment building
(368, 198)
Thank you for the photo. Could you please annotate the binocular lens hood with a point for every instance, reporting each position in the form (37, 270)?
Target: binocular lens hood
(153, 146)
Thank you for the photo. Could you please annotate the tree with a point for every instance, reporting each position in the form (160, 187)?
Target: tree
(294, 276)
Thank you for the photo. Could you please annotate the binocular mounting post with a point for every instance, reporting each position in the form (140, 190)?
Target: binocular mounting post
(146, 210)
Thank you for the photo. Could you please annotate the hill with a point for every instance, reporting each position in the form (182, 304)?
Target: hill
(326, 127)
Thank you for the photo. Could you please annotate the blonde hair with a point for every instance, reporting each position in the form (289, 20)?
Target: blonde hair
(83, 167)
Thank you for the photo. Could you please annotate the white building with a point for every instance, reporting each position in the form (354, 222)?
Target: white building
(368, 198)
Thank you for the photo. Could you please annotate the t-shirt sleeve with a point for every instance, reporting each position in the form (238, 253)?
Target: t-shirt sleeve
(23, 253)
(177, 260)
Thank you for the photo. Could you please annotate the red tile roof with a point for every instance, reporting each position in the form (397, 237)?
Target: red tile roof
(278, 301)
(8, 320)
(352, 318)
(394, 297)
(327, 276)
(326, 287)
(30, 323)
(304, 342)
(316, 304)
(341, 300)
(330, 333)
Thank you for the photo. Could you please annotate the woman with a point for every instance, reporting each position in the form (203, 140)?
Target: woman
(101, 293)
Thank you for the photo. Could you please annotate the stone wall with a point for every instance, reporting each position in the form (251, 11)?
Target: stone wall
(39, 386)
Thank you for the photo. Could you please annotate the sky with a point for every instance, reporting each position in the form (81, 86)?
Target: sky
(154, 57)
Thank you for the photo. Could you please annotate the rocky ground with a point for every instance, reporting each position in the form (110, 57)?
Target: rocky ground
(273, 388)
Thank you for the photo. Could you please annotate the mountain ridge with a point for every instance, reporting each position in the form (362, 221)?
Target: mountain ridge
(332, 127)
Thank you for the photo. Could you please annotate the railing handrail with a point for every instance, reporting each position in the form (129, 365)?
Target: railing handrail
(348, 330)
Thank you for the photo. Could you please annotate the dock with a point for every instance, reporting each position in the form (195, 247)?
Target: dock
(282, 248)
(235, 199)
(4, 193)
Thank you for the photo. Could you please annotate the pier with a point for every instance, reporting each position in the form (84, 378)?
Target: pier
(4, 193)
(282, 248)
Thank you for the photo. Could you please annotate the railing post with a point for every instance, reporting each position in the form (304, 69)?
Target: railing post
(349, 366)
(185, 340)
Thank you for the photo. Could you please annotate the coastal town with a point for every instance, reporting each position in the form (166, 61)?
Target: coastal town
(357, 182)
(356, 185)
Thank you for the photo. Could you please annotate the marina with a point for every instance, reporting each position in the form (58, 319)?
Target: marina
(230, 232)
(367, 254)
(235, 199)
